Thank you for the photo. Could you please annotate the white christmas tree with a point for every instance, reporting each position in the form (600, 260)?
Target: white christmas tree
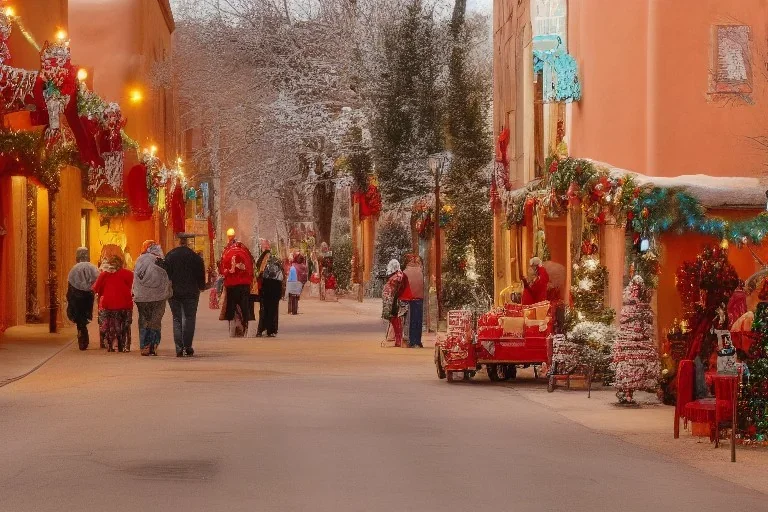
(635, 357)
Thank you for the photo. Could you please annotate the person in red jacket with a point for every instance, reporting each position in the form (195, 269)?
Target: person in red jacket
(536, 290)
(237, 269)
(113, 287)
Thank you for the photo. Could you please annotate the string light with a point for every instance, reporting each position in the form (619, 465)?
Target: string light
(136, 96)
(61, 35)
(27, 35)
(82, 74)
(153, 150)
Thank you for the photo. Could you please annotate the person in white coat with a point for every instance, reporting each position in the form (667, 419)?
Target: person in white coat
(151, 290)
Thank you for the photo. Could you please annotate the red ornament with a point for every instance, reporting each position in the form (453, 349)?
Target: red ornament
(630, 215)
(601, 217)
(553, 166)
(636, 192)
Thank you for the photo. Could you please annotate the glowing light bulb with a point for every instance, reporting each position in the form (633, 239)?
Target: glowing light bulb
(61, 35)
(82, 74)
(10, 12)
(153, 150)
(230, 232)
(136, 96)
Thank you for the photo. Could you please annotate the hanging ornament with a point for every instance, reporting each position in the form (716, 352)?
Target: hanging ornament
(645, 213)
(553, 166)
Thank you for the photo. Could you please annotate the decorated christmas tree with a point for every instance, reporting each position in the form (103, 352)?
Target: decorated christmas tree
(590, 279)
(752, 407)
(635, 358)
(590, 319)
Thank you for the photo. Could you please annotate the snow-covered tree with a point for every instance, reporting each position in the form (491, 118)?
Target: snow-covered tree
(635, 357)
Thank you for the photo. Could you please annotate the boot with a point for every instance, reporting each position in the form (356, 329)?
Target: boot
(146, 350)
(82, 339)
(253, 329)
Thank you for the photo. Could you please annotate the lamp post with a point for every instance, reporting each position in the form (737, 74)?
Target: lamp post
(437, 164)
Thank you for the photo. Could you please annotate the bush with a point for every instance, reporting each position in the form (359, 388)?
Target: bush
(342, 261)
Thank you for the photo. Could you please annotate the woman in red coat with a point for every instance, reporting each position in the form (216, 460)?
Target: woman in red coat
(113, 287)
(536, 290)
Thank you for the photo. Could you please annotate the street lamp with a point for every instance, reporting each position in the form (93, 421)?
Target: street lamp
(438, 163)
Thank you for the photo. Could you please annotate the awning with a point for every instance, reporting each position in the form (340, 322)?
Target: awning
(559, 69)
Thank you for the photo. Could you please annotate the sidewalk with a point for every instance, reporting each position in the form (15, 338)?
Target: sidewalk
(25, 348)
(651, 427)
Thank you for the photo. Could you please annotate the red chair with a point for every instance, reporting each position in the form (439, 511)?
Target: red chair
(696, 411)
(685, 378)
(726, 387)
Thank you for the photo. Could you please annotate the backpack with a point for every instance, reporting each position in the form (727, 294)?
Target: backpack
(273, 270)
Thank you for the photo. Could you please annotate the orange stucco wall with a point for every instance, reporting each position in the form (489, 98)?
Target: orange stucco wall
(121, 41)
(645, 69)
(42, 19)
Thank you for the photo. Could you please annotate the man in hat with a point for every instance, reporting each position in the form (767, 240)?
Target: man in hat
(186, 270)
(535, 290)
(237, 269)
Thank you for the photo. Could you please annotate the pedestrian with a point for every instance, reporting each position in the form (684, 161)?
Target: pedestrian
(535, 287)
(186, 270)
(270, 285)
(414, 271)
(302, 272)
(293, 290)
(80, 295)
(396, 284)
(151, 290)
(237, 268)
(115, 304)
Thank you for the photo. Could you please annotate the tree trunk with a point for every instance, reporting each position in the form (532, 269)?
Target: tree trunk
(324, 196)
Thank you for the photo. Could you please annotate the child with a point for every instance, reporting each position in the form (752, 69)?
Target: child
(293, 291)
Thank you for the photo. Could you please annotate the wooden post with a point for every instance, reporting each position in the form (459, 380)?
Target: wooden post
(438, 253)
(53, 283)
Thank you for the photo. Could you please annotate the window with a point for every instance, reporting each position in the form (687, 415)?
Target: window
(731, 71)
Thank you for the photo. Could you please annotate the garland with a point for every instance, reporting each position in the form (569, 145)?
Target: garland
(109, 209)
(647, 211)
(28, 148)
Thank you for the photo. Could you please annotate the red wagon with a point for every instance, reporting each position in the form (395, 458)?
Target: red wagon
(505, 339)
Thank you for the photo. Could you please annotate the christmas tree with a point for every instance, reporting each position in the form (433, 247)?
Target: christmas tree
(635, 358)
(590, 319)
(753, 404)
(590, 279)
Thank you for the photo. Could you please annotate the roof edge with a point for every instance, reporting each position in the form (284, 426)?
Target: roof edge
(165, 8)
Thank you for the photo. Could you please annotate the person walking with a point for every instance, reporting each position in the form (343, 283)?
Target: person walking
(186, 270)
(115, 304)
(237, 269)
(151, 290)
(80, 295)
(414, 271)
(293, 291)
(270, 287)
(396, 284)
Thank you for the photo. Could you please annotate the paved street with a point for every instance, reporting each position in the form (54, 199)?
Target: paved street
(320, 418)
